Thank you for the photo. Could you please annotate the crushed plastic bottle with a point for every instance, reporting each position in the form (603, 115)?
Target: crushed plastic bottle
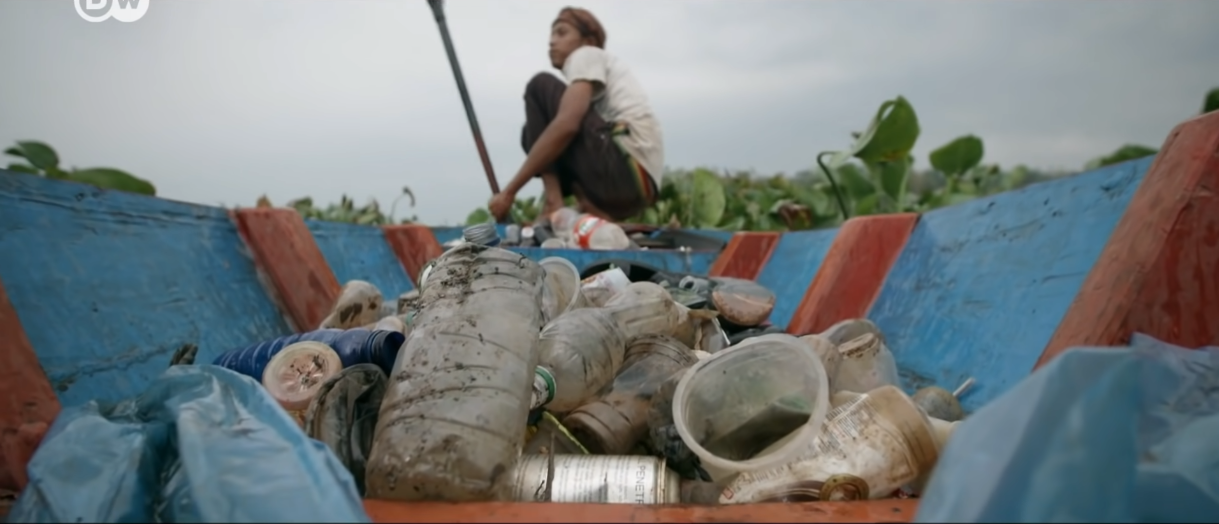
(453, 420)
(581, 351)
(359, 304)
(588, 231)
(616, 422)
(869, 447)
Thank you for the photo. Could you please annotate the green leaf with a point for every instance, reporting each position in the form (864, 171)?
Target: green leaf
(958, 156)
(1212, 101)
(107, 178)
(1124, 153)
(707, 199)
(24, 168)
(891, 135)
(38, 154)
(893, 176)
(867, 205)
(857, 185)
(478, 216)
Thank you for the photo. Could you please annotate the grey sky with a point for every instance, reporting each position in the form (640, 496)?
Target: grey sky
(220, 101)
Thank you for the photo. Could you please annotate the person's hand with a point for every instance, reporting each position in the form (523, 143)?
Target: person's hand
(501, 204)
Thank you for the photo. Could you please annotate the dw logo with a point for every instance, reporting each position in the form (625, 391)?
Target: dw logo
(102, 10)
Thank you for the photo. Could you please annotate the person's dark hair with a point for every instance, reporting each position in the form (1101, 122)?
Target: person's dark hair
(584, 22)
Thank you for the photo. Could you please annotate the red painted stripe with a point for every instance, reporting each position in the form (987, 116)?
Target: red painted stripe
(29, 406)
(745, 255)
(853, 272)
(1159, 273)
(285, 251)
(414, 245)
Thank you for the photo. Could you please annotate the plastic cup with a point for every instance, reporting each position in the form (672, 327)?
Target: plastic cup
(752, 406)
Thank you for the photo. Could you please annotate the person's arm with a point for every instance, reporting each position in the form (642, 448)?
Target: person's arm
(555, 138)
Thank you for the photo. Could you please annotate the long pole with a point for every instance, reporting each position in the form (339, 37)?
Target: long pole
(438, 10)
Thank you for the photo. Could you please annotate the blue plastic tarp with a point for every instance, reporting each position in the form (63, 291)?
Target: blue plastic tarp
(1097, 435)
(202, 444)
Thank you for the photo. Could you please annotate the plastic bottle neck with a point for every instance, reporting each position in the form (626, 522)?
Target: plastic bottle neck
(543, 388)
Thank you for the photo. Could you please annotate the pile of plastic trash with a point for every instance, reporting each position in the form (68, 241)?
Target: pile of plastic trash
(503, 378)
(567, 228)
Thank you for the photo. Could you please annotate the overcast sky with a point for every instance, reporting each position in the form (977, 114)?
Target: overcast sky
(220, 101)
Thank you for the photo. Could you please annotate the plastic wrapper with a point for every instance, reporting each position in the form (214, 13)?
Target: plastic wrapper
(201, 444)
(1097, 435)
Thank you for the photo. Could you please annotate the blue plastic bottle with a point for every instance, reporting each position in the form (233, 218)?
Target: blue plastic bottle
(354, 346)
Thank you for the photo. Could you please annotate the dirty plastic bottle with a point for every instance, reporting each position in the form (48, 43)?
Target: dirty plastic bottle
(453, 420)
(484, 234)
(869, 447)
(580, 352)
(752, 406)
(354, 346)
(588, 231)
(359, 304)
(613, 424)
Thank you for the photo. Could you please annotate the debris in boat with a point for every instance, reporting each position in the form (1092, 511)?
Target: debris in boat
(614, 423)
(343, 414)
(185, 355)
(867, 448)
(453, 420)
(198, 434)
(359, 304)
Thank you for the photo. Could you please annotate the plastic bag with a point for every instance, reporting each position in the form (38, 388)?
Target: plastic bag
(201, 444)
(1098, 435)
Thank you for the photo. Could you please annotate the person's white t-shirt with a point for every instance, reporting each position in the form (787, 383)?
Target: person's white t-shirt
(618, 97)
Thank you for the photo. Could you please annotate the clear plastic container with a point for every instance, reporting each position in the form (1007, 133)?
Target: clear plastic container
(359, 304)
(580, 352)
(866, 364)
(616, 422)
(562, 290)
(453, 419)
(601, 287)
(767, 393)
(870, 446)
(828, 353)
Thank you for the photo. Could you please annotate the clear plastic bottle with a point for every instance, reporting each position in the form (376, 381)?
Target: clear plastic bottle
(453, 420)
(588, 231)
(614, 423)
(581, 351)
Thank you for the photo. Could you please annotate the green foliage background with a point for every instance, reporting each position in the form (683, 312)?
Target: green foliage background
(875, 174)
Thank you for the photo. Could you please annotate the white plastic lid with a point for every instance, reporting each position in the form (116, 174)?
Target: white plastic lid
(727, 389)
(294, 375)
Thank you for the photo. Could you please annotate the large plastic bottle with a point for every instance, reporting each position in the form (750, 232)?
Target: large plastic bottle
(581, 351)
(453, 419)
(588, 231)
(354, 346)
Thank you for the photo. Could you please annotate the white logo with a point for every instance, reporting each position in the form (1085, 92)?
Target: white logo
(102, 10)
